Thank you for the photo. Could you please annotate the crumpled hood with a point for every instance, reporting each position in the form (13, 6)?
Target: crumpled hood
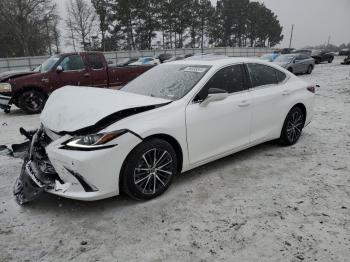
(13, 74)
(72, 108)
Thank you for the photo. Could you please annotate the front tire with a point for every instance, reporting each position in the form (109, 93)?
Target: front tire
(292, 127)
(330, 60)
(32, 101)
(149, 169)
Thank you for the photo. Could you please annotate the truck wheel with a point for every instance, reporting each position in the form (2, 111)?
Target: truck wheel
(32, 101)
(330, 60)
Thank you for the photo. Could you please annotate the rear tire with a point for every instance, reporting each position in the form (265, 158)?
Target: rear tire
(149, 169)
(292, 127)
(309, 70)
(32, 101)
(330, 60)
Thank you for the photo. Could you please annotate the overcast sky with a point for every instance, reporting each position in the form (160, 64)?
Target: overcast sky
(314, 20)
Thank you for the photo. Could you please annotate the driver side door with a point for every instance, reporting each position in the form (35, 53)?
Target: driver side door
(75, 72)
(220, 127)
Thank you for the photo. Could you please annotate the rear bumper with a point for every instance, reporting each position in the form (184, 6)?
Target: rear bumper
(5, 102)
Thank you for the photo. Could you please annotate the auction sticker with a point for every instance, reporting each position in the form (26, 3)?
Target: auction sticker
(195, 69)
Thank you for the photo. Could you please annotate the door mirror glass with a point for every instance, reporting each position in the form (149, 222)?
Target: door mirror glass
(214, 94)
(59, 69)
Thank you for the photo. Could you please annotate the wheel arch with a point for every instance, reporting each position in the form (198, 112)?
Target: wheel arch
(168, 138)
(302, 107)
(29, 88)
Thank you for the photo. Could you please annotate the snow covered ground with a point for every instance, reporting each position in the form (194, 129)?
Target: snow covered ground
(268, 203)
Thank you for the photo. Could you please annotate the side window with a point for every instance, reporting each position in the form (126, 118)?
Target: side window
(263, 75)
(73, 62)
(230, 79)
(280, 76)
(95, 61)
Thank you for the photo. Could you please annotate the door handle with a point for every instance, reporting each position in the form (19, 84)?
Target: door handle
(286, 92)
(87, 75)
(244, 103)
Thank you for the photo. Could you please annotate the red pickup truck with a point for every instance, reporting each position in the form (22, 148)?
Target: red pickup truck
(30, 90)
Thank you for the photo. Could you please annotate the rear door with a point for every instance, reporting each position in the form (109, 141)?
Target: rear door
(269, 92)
(98, 70)
(220, 126)
(75, 72)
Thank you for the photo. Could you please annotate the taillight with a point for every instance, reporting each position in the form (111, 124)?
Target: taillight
(312, 89)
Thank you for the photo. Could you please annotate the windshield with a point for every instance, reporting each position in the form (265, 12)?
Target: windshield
(47, 65)
(168, 81)
(285, 58)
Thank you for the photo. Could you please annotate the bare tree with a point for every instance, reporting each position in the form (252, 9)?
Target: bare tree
(30, 22)
(81, 22)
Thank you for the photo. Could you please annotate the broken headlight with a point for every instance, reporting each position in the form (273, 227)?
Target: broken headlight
(5, 87)
(94, 141)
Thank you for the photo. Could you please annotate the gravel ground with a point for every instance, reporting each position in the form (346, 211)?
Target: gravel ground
(268, 203)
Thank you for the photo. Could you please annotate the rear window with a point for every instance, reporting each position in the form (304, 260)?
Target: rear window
(95, 61)
(265, 75)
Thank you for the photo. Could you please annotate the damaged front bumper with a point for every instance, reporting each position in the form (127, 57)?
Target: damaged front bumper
(82, 175)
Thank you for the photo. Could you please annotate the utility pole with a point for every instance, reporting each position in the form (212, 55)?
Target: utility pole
(291, 37)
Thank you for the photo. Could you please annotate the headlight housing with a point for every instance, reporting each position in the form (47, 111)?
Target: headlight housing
(93, 141)
(5, 87)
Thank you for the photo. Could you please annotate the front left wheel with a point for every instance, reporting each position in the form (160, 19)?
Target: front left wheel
(149, 169)
(32, 101)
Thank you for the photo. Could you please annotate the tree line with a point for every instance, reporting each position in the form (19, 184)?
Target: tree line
(32, 25)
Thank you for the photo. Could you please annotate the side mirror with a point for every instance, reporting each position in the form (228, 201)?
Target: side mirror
(59, 69)
(214, 94)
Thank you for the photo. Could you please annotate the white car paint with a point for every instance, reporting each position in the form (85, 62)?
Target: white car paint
(204, 133)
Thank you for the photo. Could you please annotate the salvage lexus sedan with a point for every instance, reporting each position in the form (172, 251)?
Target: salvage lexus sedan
(95, 143)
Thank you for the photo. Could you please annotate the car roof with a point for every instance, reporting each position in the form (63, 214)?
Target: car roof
(219, 61)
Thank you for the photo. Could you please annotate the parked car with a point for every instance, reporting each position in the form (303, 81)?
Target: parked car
(127, 61)
(163, 57)
(322, 56)
(285, 51)
(345, 51)
(346, 61)
(269, 57)
(146, 61)
(302, 51)
(30, 90)
(173, 118)
(296, 63)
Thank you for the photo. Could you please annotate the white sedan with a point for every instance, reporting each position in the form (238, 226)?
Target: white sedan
(95, 143)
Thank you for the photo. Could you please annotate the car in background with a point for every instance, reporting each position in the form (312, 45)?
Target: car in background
(269, 57)
(345, 51)
(127, 61)
(137, 139)
(296, 63)
(322, 56)
(146, 61)
(29, 90)
(163, 57)
(285, 51)
(346, 61)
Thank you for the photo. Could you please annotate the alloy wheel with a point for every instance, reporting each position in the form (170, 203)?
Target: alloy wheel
(294, 126)
(153, 171)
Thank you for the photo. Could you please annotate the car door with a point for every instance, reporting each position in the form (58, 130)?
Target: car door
(98, 70)
(269, 92)
(299, 65)
(221, 126)
(74, 72)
